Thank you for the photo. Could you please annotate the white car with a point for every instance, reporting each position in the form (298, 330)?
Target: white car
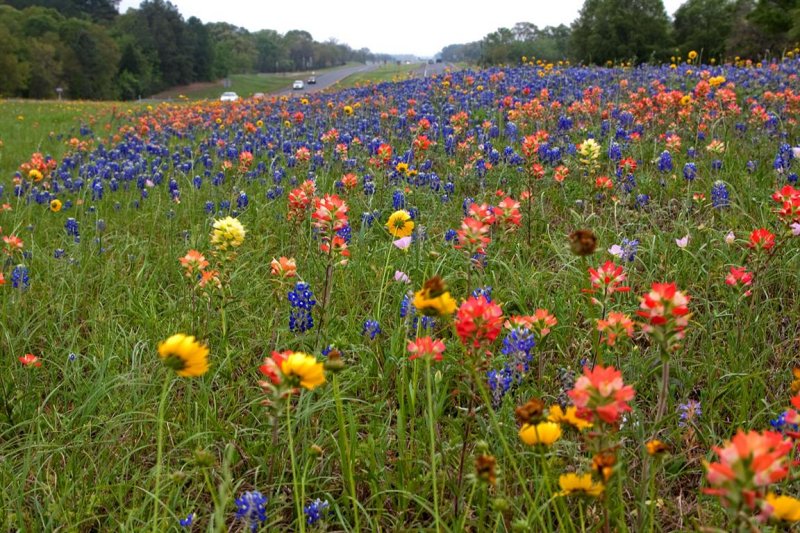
(297, 85)
(229, 97)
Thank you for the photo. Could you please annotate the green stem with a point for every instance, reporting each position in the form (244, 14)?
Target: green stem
(160, 452)
(298, 502)
(432, 436)
(346, 457)
(664, 392)
(383, 284)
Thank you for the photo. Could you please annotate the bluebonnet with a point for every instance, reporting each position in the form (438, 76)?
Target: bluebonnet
(371, 328)
(71, 225)
(614, 152)
(302, 301)
(689, 412)
(242, 201)
(314, 510)
(19, 277)
(779, 424)
(398, 200)
(407, 310)
(483, 291)
(250, 507)
(209, 207)
(629, 249)
(689, 171)
(59, 253)
(72, 357)
(518, 345)
(465, 205)
(665, 161)
(100, 225)
(499, 384)
(451, 235)
(186, 522)
(716, 164)
(720, 197)
(642, 200)
(345, 233)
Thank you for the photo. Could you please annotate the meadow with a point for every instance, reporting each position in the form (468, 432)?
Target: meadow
(533, 298)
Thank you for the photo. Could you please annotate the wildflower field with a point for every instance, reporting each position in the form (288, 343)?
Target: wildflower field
(540, 298)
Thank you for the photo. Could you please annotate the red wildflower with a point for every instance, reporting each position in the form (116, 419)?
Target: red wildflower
(615, 325)
(425, 347)
(666, 313)
(600, 392)
(29, 360)
(762, 239)
(507, 211)
(478, 321)
(607, 280)
(747, 463)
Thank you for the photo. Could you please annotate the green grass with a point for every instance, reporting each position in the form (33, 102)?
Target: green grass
(245, 85)
(46, 126)
(383, 73)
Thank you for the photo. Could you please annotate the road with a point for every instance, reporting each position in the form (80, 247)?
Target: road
(327, 78)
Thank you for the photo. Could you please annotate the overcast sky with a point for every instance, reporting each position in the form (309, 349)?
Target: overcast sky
(419, 27)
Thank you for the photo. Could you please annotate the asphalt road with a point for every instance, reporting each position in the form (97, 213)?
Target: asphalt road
(326, 79)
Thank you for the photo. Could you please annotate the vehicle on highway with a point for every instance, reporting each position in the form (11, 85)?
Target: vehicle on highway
(259, 96)
(297, 85)
(229, 97)
(312, 80)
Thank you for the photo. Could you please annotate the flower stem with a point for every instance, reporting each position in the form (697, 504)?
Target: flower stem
(664, 392)
(383, 284)
(160, 452)
(432, 436)
(298, 502)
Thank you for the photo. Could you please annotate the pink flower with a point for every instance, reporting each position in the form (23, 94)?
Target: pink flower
(683, 241)
(425, 347)
(600, 392)
(403, 243)
(402, 277)
(730, 238)
(795, 229)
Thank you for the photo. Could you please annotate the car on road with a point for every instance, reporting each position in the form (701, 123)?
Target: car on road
(259, 96)
(312, 80)
(229, 97)
(297, 85)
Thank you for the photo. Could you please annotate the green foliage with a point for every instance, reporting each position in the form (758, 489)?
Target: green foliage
(704, 26)
(92, 52)
(620, 30)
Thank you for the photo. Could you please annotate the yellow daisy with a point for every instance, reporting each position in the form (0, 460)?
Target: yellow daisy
(183, 354)
(542, 433)
(557, 414)
(579, 484)
(400, 224)
(305, 368)
(55, 205)
(784, 507)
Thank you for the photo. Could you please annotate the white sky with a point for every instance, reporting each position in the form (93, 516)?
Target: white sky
(419, 27)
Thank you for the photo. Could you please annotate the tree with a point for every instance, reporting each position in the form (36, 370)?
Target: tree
(608, 30)
(96, 10)
(89, 60)
(778, 19)
(704, 26)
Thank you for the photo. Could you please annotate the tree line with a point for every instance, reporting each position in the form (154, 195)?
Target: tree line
(640, 31)
(91, 51)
